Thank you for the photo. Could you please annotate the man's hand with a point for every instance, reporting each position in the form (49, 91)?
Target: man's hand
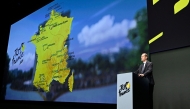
(141, 75)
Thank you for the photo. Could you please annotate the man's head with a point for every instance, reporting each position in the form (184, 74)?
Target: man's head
(144, 57)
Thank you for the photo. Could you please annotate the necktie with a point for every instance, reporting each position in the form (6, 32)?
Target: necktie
(143, 68)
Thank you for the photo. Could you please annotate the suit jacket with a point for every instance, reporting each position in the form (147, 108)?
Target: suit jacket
(147, 71)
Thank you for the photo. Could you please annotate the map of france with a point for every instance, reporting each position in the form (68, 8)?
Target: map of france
(52, 52)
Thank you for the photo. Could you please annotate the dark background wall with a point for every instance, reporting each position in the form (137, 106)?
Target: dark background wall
(172, 73)
(175, 26)
(170, 53)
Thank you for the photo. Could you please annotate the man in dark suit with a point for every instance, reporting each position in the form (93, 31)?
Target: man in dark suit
(145, 70)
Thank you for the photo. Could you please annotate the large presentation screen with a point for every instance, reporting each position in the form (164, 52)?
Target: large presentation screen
(72, 50)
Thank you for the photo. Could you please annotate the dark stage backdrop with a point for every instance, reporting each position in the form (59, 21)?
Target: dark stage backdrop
(169, 41)
(169, 23)
(171, 74)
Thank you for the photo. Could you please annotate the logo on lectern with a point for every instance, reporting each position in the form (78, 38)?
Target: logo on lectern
(124, 88)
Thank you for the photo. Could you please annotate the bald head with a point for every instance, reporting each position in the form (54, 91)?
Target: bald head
(144, 57)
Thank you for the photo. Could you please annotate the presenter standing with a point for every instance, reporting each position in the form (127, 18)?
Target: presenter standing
(145, 70)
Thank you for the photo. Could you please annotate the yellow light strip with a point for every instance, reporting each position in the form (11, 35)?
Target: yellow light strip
(154, 1)
(181, 4)
(155, 38)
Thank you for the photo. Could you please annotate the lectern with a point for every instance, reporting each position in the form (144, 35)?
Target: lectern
(132, 91)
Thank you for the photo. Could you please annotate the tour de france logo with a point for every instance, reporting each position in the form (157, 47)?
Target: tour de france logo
(124, 88)
(19, 54)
